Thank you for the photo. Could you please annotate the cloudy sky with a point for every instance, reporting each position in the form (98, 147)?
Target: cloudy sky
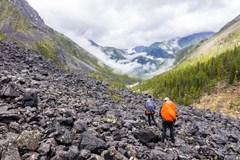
(128, 23)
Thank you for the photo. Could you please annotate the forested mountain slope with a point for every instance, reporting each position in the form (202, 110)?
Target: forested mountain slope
(216, 60)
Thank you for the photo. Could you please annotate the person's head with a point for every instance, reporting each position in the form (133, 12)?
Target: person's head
(166, 99)
(149, 96)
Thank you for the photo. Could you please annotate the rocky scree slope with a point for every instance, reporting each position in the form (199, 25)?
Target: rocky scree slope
(48, 113)
(19, 22)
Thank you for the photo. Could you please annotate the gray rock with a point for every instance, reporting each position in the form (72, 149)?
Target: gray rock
(9, 91)
(30, 98)
(44, 148)
(65, 137)
(156, 154)
(80, 126)
(114, 154)
(85, 154)
(73, 152)
(61, 155)
(12, 136)
(14, 126)
(10, 152)
(145, 136)
(90, 142)
(31, 156)
(95, 157)
(5, 80)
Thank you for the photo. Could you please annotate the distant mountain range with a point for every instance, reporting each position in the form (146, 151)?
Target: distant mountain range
(155, 58)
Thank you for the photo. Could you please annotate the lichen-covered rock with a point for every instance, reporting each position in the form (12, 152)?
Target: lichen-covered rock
(29, 139)
(110, 119)
(112, 153)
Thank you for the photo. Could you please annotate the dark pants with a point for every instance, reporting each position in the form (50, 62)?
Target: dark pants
(151, 116)
(166, 125)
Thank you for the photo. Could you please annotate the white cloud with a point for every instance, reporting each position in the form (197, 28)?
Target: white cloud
(128, 23)
(118, 67)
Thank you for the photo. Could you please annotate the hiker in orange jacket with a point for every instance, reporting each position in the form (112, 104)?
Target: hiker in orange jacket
(168, 114)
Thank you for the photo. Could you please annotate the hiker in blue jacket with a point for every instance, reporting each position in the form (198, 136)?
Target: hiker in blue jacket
(150, 110)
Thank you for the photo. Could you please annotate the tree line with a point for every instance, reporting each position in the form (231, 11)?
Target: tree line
(187, 84)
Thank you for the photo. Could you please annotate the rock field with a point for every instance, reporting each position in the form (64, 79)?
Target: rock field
(47, 113)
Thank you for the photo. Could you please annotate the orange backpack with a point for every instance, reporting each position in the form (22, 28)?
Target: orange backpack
(168, 111)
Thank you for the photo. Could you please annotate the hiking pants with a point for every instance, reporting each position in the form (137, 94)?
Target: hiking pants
(166, 125)
(151, 116)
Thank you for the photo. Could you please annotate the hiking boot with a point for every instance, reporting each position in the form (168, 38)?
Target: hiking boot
(173, 140)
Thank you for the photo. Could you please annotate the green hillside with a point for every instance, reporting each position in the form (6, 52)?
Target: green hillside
(217, 59)
(187, 84)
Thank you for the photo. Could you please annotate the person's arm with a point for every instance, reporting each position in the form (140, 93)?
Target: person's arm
(175, 110)
(160, 112)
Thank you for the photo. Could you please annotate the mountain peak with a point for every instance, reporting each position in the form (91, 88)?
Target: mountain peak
(28, 12)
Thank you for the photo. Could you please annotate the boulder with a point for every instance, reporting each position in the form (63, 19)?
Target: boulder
(90, 142)
(73, 152)
(80, 126)
(29, 139)
(145, 136)
(65, 137)
(45, 147)
(7, 117)
(30, 98)
(9, 91)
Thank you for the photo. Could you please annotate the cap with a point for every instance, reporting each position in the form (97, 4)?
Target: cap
(166, 99)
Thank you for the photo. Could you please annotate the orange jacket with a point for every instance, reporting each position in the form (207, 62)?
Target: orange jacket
(168, 111)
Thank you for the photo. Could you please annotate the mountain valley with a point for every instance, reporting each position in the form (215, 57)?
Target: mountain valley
(62, 99)
(49, 113)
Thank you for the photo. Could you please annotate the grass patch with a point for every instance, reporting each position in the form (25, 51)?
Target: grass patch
(3, 36)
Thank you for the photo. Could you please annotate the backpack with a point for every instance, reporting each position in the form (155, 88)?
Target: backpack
(168, 111)
(150, 107)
